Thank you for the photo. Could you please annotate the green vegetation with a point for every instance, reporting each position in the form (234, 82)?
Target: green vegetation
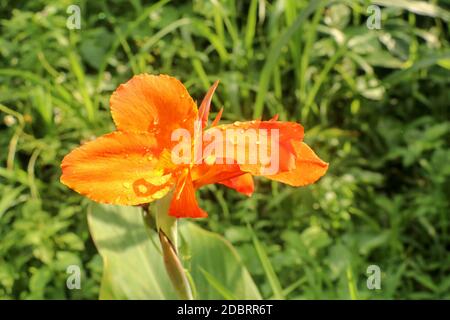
(374, 104)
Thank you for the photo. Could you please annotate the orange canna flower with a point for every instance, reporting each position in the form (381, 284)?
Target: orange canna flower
(136, 164)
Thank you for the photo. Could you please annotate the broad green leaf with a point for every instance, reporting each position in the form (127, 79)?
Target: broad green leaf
(211, 253)
(133, 265)
(226, 294)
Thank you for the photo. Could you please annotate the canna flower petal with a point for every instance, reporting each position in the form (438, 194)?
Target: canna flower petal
(204, 173)
(155, 104)
(255, 137)
(217, 118)
(184, 203)
(119, 168)
(229, 175)
(309, 167)
(242, 184)
(203, 112)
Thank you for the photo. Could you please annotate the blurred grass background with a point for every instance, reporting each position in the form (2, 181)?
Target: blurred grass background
(374, 103)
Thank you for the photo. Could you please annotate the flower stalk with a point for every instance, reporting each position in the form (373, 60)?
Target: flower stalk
(167, 229)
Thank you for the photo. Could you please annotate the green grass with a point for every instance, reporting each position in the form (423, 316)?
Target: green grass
(374, 103)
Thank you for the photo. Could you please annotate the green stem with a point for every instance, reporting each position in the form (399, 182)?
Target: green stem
(174, 268)
(168, 237)
(165, 222)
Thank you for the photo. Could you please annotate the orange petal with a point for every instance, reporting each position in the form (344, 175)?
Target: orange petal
(203, 112)
(309, 167)
(156, 104)
(275, 117)
(119, 168)
(217, 118)
(249, 144)
(184, 204)
(203, 174)
(243, 184)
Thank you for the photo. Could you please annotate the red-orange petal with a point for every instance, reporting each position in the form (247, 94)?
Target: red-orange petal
(250, 159)
(242, 184)
(184, 203)
(119, 168)
(203, 173)
(203, 112)
(217, 118)
(309, 167)
(155, 104)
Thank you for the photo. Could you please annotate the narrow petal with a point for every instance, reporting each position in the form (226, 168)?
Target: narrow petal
(155, 104)
(309, 167)
(243, 184)
(217, 118)
(203, 112)
(184, 203)
(119, 168)
(275, 117)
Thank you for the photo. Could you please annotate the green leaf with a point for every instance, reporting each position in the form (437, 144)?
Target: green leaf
(268, 269)
(424, 62)
(133, 265)
(251, 25)
(226, 294)
(9, 198)
(417, 7)
(210, 252)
